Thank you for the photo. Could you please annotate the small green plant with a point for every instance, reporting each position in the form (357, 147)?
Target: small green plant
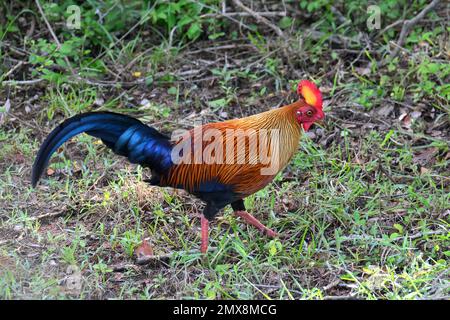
(102, 269)
(129, 241)
(100, 24)
(68, 254)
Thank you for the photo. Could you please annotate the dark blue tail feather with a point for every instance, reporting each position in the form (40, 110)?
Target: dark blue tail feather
(125, 135)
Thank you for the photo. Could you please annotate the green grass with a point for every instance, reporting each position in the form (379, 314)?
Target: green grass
(363, 209)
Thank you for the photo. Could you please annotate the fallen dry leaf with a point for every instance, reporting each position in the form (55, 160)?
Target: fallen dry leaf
(415, 114)
(50, 172)
(143, 251)
(19, 158)
(364, 71)
(99, 101)
(424, 170)
(6, 263)
(385, 110)
(425, 156)
(6, 107)
(405, 120)
(326, 89)
(118, 277)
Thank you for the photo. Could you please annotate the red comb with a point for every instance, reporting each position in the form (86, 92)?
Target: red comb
(310, 93)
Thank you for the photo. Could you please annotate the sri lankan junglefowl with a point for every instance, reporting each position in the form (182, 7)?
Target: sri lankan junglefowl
(220, 163)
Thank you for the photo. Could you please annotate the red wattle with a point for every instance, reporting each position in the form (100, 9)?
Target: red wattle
(307, 125)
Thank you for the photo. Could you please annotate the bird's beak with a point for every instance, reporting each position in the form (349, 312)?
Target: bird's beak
(307, 125)
(319, 120)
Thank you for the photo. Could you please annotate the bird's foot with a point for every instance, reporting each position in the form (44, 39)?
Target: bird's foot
(204, 243)
(256, 223)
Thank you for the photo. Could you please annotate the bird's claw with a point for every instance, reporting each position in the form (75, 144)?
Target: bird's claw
(270, 233)
(254, 222)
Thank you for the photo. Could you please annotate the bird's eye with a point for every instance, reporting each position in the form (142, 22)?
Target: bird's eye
(309, 113)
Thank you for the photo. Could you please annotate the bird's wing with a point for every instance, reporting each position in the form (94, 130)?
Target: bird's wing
(221, 164)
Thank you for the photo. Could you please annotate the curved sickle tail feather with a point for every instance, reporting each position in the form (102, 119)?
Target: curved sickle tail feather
(125, 135)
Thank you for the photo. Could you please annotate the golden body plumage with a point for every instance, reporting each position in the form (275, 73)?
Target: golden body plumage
(246, 177)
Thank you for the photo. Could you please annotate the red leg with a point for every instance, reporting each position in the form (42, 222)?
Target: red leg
(255, 222)
(204, 244)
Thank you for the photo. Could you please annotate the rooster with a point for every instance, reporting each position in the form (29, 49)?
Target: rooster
(211, 161)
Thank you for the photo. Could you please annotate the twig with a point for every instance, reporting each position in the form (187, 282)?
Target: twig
(412, 237)
(123, 267)
(421, 234)
(384, 171)
(50, 214)
(340, 17)
(400, 103)
(392, 25)
(17, 66)
(349, 297)
(148, 259)
(50, 29)
(2, 242)
(224, 47)
(334, 38)
(263, 58)
(100, 83)
(21, 82)
(259, 18)
(408, 24)
(32, 27)
(132, 62)
(331, 285)
(15, 50)
(224, 14)
(77, 80)
(244, 14)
